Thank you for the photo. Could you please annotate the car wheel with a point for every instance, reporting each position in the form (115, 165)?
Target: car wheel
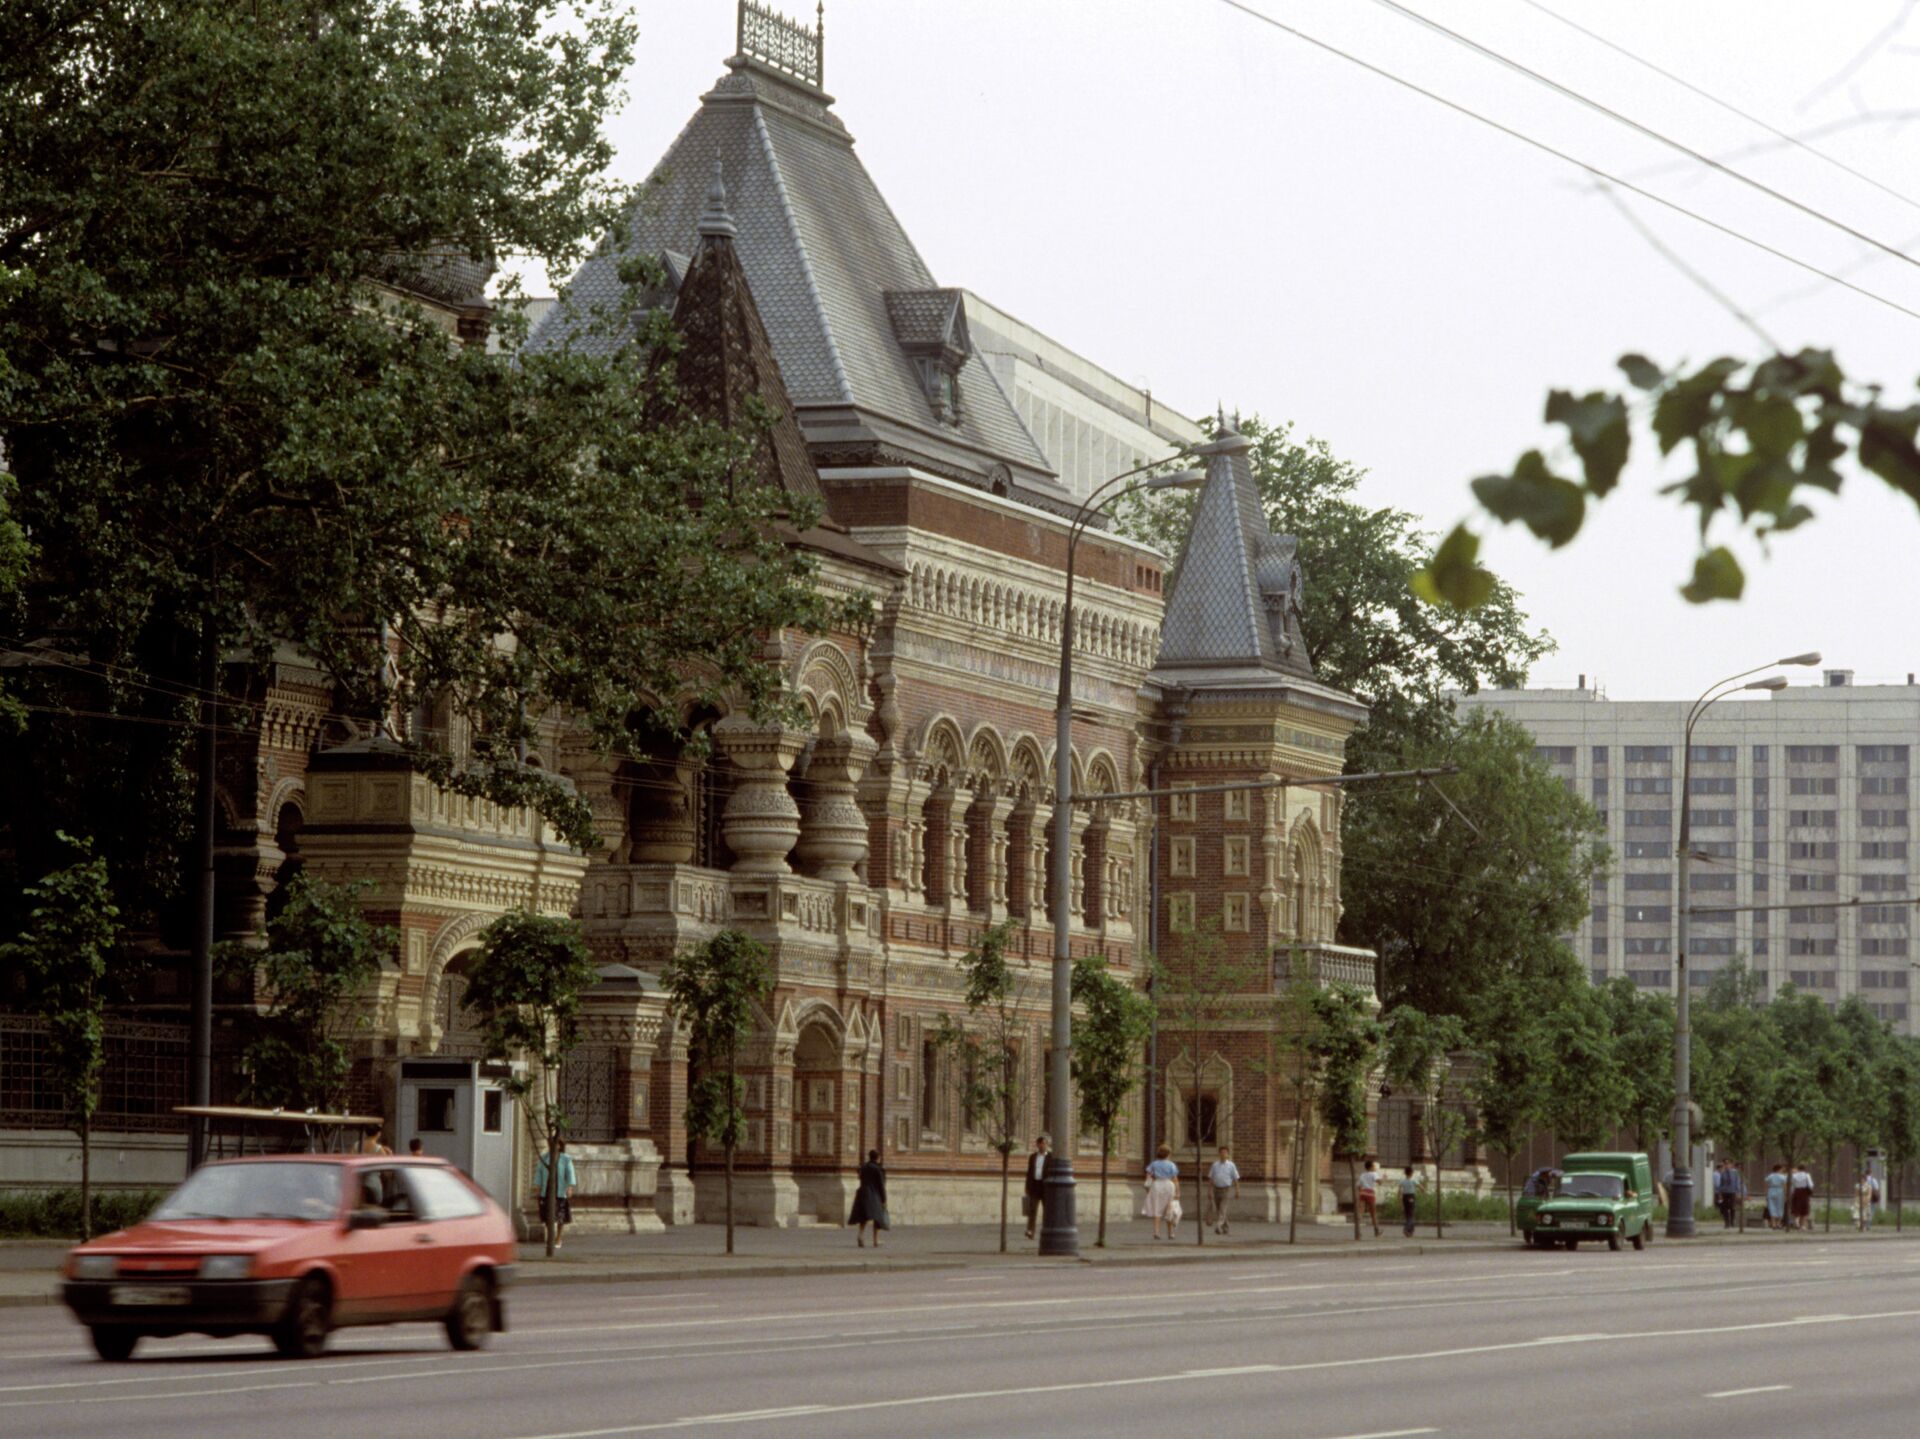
(1613, 1243)
(303, 1329)
(470, 1320)
(113, 1342)
(1640, 1239)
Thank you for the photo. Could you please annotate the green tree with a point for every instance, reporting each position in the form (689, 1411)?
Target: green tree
(717, 989)
(1734, 1067)
(1109, 1042)
(1421, 1055)
(1851, 1072)
(524, 987)
(1762, 437)
(1643, 1025)
(1474, 876)
(1587, 1091)
(1507, 1085)
(992, 1072)
(1900, 1119)
(62, 954)
(317, 967)
(1347, 1045)
(234, 429)
(1802, 1115)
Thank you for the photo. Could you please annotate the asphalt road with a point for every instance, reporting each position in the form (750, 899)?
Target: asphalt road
(1796, 1337)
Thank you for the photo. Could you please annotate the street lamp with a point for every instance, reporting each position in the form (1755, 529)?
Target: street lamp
(1059, 1230)
(1680, 1195)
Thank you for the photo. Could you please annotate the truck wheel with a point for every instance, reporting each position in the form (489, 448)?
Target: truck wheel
(1640, 1239)
(302, 1331)
(1613, 1243)
(113, 1342)
(470, 1320)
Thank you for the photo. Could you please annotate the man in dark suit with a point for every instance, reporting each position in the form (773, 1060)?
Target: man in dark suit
(1031, 1200)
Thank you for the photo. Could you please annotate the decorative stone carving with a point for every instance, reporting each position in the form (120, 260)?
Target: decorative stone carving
(833, 831)
(761, 822)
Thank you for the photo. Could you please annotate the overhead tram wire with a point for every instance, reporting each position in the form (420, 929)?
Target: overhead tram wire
(1727, 105)
(1659, 137)
(1579, 164)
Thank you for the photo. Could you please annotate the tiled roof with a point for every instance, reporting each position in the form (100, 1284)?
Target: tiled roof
(821, 249)
(1231, 605)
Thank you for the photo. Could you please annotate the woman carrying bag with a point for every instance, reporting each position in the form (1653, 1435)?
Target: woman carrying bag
(870, 1203)
(1162, 1204)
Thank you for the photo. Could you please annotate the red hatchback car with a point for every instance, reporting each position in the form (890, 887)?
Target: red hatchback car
(294, 1246)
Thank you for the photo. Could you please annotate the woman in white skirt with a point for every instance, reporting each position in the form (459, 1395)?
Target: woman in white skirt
(1163, 1178)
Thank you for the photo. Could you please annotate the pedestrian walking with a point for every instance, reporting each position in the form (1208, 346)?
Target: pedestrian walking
(1035, 1193)
(1162, 1203)
(1866, 1194)
(417, 1147)
(1800, 1191)
(1723, 1191)
(375, 1142)
(870, 1202)
(555, 1217)
(1223, 1177)
(1777, 1197)
(1409, 1193)
(1367, 1192)
(1736, 1193)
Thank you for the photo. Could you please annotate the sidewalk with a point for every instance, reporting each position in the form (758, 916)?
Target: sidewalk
(29, 1268)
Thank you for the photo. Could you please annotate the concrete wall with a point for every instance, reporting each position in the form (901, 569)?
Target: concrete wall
(50, 1159)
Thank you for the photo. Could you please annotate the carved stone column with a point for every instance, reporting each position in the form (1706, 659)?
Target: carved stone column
(1039, 872)
(761, 822)
(833, 831)
(999, 816)
(1078, 865)
(957, 878)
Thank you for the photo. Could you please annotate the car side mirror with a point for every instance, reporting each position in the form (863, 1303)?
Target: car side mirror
(368, 1218)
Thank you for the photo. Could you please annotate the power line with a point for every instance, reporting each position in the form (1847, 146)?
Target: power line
(1727, 105)
(1561, 155)
(1659, 137)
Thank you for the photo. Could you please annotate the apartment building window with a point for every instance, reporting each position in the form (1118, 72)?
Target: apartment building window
(1810, 818)
(1883, 819)
(1701, 978)
(1883, 754)
(1760, 756)
(1599, 974)
(1760, 849)
(1760, 792)
(1658, 784)
(1891, 1013)
(1812, 849)
(1651, 978)
(1812, 753)
(1811, 978)
(1646, 946)
(1883, 784)
(1649, 913)
(1554, 753)
(1760, 884)
(1883, 979)
(1599, 756)
(1883, 914)
(1760, 818)
(1599, 946)
(1701, 945)
(1883, 849)
(1883, 884)
(1599, 914)
(1646, 849)
(1713, 819)
(1710, 784)
(1599, 789)
(1661, 880)
(1649, 754)
(1760, 945)
(1648, 818)
(1814, 784)
(1882, 946)
(1810, 916)
(1807, 945)
(1713, 916)
(1802, 883)
(1712, 753)
(1712, 881)
(1714, 848)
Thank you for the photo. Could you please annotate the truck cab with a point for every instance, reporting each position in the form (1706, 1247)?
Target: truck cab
(1601, 1196)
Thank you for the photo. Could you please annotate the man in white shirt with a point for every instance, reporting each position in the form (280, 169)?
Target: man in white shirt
(1224, 1177)
(1369, 1193)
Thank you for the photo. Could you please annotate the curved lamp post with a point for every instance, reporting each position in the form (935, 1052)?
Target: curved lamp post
(1680, 1195)
(1059, 1230)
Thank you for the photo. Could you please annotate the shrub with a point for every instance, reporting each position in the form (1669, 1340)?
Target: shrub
(55, 1213)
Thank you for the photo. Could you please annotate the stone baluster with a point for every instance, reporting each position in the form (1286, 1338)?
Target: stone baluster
(999, 840)
(1039, 873)
(1079, 866)
(761, 822)
(833, 831)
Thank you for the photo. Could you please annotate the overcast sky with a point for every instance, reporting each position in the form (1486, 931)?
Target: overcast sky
(1200, 202)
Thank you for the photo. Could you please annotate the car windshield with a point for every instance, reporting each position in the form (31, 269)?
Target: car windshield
(256, 1191)
(1591, 1186)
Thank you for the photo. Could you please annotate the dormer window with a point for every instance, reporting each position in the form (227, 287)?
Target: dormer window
(931, 328)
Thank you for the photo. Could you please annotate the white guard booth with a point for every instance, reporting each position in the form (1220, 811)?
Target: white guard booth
(460, 1111)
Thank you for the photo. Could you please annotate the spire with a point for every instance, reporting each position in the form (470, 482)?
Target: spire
(715, 220)
(1235, 601)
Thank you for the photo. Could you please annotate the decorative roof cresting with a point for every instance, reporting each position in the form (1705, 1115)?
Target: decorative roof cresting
(764, 34)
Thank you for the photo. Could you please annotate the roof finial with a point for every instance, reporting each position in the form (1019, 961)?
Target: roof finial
(714, 220)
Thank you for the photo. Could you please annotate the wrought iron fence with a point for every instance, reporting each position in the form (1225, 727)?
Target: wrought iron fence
(590, 1093)
(143, 1078)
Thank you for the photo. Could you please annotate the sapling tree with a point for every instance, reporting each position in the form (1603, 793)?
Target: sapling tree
(1346, 1048)
(1420, 1050)
(1109, 1041)
(992, 1078)
(716, 989)
(525, 987)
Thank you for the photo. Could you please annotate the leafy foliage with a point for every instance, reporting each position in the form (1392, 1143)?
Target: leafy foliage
(313, 977)
(716, 989)
(1761, 436)
(991, 1075)
(235, 426)
(1507, 1084)
(1346, 1045)
(1421, 1050)
(1109, 1042)
(1643, 1024)
(1474, 876)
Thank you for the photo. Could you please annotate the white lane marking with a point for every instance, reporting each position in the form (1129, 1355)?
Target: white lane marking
(745, 1416)
(1365, 1361)
(1389, 1434)
(1757, 1389)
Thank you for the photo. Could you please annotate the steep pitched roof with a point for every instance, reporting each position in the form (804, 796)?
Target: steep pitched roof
(821, 249)
(1234, 604)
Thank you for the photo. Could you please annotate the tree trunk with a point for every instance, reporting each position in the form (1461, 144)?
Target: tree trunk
(1512, 1225)
(1353, 1188)
(1827, 1224)
(1106, 1152)
(1439, 1179)
(1899, 1203)
(86, 1179)
(1006, 1165)
(1293, 1181)
(727, 1182)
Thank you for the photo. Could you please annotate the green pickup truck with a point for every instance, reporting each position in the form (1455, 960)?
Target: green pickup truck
(1591, 1196)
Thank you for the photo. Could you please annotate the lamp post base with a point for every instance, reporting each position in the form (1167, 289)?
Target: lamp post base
(1059, 1230)
(1680, 1205)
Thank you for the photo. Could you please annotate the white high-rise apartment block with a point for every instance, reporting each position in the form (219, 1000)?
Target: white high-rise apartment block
(1800, 799)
